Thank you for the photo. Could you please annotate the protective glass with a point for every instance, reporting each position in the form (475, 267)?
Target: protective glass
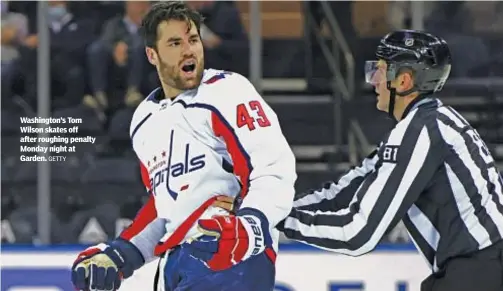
(377, 72)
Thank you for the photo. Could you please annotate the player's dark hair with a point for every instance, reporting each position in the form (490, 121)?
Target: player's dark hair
(165, 11)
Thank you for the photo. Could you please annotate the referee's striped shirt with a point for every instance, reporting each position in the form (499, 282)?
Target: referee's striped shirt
(433, 171)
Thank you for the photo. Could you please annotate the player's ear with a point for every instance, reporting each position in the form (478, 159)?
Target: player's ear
(151, 55)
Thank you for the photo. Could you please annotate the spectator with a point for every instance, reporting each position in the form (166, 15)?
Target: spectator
(400, 13)
(26, 8)
(117, 61)
(99, 11)
(454, 21)
(69, 38)
(224, 37)
(14, 31)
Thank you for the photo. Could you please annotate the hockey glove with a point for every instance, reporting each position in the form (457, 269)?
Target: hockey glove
(102, 267)
(233, 238)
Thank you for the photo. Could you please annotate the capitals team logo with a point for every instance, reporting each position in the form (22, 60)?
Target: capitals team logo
(171, 166)
(155, 162)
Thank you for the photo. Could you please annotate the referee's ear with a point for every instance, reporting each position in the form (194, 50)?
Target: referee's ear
(404, 81)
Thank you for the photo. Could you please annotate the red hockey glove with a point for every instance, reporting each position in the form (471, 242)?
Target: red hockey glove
(232, 239)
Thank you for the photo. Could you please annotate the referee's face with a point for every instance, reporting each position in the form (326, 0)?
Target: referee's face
(379, 81)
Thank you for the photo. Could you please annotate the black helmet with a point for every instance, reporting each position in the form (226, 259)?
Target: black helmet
(428, 56)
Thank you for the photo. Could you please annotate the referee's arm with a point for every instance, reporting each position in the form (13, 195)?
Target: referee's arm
(404, 168)
(337, 195)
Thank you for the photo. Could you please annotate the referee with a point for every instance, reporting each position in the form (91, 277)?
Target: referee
(433, 171)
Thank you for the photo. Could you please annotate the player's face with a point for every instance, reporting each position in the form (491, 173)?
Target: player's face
(179, 58)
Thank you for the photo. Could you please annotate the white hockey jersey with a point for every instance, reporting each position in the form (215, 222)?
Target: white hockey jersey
(219, 139)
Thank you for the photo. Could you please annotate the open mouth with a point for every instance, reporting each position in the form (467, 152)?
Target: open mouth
(189, 66)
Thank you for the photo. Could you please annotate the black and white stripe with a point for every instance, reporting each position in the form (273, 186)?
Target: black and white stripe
(324, 198)
(443, 184)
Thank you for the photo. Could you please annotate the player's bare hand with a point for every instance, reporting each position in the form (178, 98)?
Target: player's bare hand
(225, 202)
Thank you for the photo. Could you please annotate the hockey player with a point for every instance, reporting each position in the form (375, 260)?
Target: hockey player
(203, 134)
(433, 171)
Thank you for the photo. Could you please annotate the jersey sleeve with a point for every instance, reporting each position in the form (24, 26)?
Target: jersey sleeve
(146, 229)
(405, 165)
(261, 156)
(337, 195)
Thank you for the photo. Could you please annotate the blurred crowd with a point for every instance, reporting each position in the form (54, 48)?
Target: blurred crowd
(97, 55)
(99, 72)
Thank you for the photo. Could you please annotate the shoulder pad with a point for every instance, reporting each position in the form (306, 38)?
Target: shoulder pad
(223, 88)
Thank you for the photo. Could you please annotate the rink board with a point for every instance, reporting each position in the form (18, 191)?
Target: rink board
(299, 268)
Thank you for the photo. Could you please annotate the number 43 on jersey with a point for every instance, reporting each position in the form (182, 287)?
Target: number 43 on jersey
(244, 118)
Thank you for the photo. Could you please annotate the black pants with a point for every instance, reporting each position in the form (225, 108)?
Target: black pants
(482, 271)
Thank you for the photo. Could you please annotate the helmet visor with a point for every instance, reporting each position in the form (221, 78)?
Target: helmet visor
(377, 72)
